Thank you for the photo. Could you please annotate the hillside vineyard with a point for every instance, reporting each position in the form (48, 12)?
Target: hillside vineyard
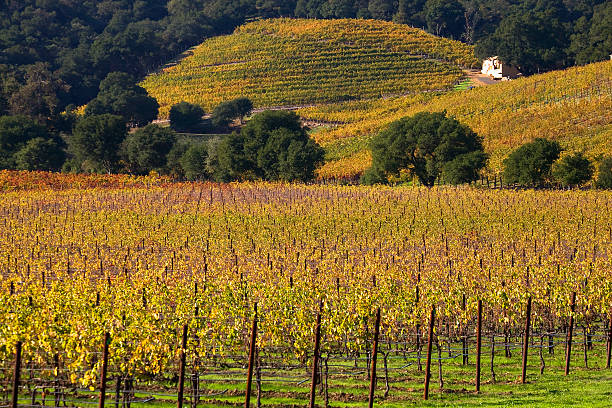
(295, 62)
(573, 106)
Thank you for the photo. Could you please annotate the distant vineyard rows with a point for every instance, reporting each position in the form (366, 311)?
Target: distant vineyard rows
(293, 62)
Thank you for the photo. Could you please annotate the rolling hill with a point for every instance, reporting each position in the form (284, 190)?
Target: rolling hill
(288, 62)
(572, 106)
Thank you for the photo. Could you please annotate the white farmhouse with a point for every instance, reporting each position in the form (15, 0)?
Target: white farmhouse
(498, 70)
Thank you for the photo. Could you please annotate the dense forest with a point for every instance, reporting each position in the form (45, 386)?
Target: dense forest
(56, 52)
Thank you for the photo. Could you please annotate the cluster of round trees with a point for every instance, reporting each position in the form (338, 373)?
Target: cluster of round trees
(115, 134)
(434, 147)
(538, 163)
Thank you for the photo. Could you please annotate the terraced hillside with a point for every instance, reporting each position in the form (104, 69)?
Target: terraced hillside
(284, 62)
(573, 106)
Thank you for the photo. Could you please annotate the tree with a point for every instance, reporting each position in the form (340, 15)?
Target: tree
(147, 149)
(194, 160)
(573, 170)
(426, 145)
(533, 40)
(15, 132)
(530, 164)
(593, 39)
(275, 8)
(173, 160)
(119, 95)
(40, 154)
(226, 112)
(40, 97)
(444, 17)
(96, 140)
(604, 179)
(381, 9)
(273, 145)
(184, 116)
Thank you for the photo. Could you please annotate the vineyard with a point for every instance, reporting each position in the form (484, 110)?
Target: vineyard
(295, 62)
(301, 292)
(573, 106)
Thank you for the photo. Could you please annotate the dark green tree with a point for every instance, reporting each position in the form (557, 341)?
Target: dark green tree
(382, 9)
(147, 149)
(592, 40)
(194, 162)
(274, 146)
(96, 140)
(15, 132)
(119, 95)
(40, 154)
(532, 39)
(40, 97)
(426, 145)
(604, 178)
(173, 160)
(530, 164)
(226, 112)
(185, 116)
(573, 170)
(275, 8)
(444, 17)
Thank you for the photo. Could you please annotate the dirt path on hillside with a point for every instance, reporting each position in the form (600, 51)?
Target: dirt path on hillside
(478, 78)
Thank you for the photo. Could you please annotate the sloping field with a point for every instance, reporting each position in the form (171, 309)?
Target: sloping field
(285, 62)
(572, 106)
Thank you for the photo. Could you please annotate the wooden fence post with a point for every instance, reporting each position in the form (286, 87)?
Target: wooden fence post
(247, 402)
(374, 354)
(478, 345)
(526, 341)
(428, 364)
(315, 363)
(104, 371)
(609, 342)
(570, 332)
(181, 385)
(16, 374)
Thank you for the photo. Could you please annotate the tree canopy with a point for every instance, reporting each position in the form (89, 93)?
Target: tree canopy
(426, 145)
(226, 112)
(96, 140)
(15, 133)
(530, 164)
(147, 149)
(184, 116)
(273, 145)
(119, 95)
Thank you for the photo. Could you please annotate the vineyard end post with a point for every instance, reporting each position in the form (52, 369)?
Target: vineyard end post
(181, 385)
(16, 374)
(102, 398)
(247, 401)
(526, 341)
(374, 354)
(428, 364)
